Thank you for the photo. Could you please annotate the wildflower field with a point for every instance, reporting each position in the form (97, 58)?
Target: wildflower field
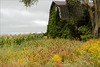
(34, 50)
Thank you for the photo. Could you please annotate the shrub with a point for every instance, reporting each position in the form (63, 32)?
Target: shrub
(1, 41)
(85, 32)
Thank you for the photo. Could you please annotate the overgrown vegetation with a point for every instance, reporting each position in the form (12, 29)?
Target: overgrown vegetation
(53, 28)
(18, 39)
(33, 50)
(76, 24)
(51, 53)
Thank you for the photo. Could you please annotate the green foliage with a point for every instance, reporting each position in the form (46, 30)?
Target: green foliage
(45, 34)
(85, 32)
(68, 28)
(53, 28)
(18, 39)
(73, 8)
(73, 26)
(1, 41)
(65, 28)
(28, 3)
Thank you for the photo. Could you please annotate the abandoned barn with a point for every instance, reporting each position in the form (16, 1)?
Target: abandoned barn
(58, 15)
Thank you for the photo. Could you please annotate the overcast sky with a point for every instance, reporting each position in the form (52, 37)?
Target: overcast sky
(15, 18)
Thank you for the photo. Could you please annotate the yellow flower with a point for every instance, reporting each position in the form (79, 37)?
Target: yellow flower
(30, 47)
(90, 40)
(20, 61)
(27, 52)
(56, 58)
(68, 56)
(99, 56)
(91, 63)
(92, 48)
(98, 61)
(37, 56)
(31, 58)
(98, 42)
(23, 52)
(25, 48)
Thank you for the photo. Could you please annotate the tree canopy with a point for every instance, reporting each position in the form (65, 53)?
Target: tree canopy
(94, 15)
(94, 12)
(29, 3)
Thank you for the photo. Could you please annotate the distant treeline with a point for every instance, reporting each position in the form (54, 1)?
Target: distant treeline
(18, 39)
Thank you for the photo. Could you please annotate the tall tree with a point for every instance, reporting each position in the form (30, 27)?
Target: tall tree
(28, 3)
(94, 11)
(94, 15)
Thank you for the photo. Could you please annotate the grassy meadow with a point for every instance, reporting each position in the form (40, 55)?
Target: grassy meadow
(35, 50)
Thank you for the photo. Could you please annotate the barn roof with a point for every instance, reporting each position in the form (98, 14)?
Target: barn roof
(63, 9)
(60, 3)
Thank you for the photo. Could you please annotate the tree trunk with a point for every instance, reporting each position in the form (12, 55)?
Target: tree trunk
(99, 18)
(94, 16)
(92, 19)
(95, 19)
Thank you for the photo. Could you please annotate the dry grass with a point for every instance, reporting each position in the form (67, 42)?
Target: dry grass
(46, 53)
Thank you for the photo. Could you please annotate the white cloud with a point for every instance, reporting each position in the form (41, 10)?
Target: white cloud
(15, 12)
(40, 22)
(16, 18)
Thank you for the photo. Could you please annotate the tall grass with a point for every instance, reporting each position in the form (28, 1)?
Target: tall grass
(37, 52)
(50, 53)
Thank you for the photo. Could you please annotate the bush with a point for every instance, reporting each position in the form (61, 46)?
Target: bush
(85, 32)
(68, 29)
(1, 41)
